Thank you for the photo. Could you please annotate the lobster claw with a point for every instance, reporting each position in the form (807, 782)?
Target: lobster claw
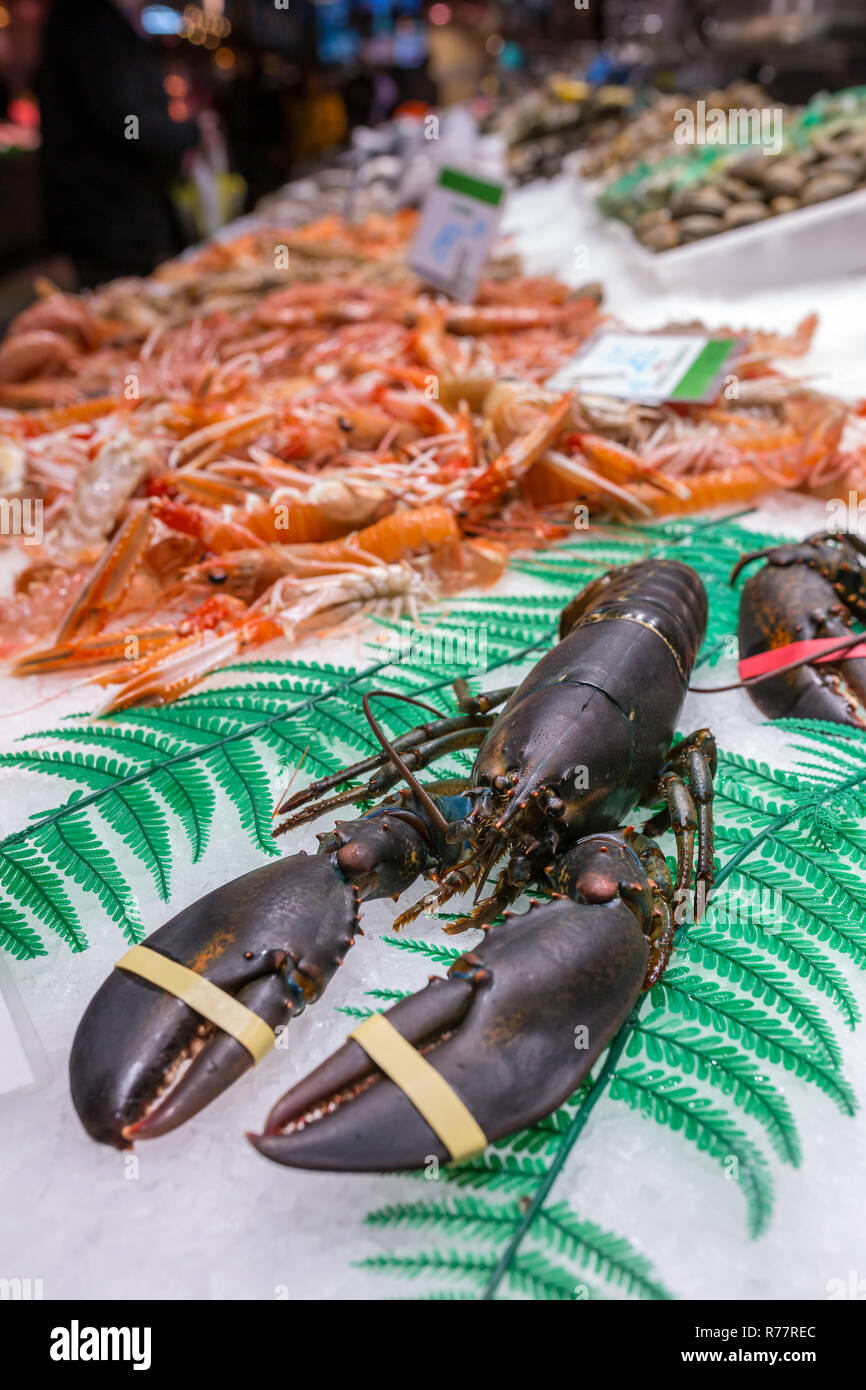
(143, 1061)
(514, 1030)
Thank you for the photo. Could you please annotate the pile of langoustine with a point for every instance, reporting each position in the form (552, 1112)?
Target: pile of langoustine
(231, 453)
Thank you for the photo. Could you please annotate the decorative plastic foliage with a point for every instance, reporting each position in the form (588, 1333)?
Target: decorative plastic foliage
(739, 1008)
(142, 774)
(600, 1260)
(718, 1051)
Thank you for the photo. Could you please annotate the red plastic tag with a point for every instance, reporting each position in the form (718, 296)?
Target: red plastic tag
(816, 649)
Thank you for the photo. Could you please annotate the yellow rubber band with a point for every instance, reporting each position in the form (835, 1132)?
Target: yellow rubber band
(206, 998)
(422, 1084)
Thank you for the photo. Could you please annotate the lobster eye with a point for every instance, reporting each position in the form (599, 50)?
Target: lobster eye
(217, 576)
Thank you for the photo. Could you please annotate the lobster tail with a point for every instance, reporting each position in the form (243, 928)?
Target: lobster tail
(664, 595)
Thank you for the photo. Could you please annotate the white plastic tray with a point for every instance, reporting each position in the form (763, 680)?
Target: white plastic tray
(828, 239)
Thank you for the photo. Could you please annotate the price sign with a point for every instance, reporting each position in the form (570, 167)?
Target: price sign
(458, 224)
(649, 367)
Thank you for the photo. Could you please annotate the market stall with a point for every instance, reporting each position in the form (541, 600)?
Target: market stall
(288, 471)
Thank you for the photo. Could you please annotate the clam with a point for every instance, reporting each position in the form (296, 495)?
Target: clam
(783, 202)
(736, 189)
(751, 167)
(855, 142)
(839, 139)
(821, 187)
(655, 217)
(687, 202)
(742, 214)
(847, 164)
(698, 225)
(663, 236)
(785, 177)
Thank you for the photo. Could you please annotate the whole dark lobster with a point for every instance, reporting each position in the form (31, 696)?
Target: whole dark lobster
(806, 594)
(582, 741)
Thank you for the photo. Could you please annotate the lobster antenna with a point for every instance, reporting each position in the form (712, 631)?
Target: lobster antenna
(747, 560)
(855, 541)
(845, 642)
(409, 777)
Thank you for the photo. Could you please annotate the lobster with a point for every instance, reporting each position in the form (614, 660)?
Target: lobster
(800, 603)
(583, 740)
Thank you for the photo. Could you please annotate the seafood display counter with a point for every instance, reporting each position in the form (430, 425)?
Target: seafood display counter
(318, 551)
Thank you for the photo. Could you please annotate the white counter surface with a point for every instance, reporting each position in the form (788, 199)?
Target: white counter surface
(202, 1215)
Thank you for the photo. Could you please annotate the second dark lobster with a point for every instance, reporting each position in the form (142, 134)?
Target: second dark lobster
(806, 593)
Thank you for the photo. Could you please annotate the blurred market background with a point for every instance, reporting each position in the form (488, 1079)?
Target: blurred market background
(240, 98)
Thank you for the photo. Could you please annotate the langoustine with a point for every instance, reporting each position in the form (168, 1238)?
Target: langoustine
(302, 410)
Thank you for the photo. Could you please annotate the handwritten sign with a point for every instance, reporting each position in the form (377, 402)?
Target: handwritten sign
(458, 224)
(649, 367)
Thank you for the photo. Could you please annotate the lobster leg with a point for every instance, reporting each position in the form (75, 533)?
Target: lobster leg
(683, 821)
(664, 923)
(514, 1030)
(480, 704)
(686, 782)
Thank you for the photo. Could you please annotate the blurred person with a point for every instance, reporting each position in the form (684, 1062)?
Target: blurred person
(457, 60)
(320, 121)
(109, 147)
(415, 87)
(386, 95)
(359, 91)
(255, 125)
(411, 66)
